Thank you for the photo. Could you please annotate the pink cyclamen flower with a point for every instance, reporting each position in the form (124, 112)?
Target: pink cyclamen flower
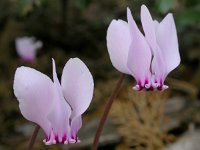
(55, 107)
(26, 48)
(149, 58)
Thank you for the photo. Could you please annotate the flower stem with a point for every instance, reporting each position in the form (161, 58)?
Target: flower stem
(33, 137)
(106, 111)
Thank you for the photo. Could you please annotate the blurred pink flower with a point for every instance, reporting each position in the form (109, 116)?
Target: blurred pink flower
(150, 58)
(55, 107)
(26, 48)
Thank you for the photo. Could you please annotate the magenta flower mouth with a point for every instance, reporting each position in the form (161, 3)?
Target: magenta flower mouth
(149, 57)
(57, 106)
(150, 86)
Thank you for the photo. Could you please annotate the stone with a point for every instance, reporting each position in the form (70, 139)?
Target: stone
(189, 141)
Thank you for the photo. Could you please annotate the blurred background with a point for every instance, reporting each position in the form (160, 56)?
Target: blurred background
(77, 28)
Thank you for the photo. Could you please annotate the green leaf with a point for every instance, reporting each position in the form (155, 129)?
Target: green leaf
(164, 6)
(82, 4)
(188, 17)
(24, 6)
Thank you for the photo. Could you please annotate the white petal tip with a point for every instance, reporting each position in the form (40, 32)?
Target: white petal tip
(147, 86)
(165, 87)
(136, 87)
(78, 141)
(72, 141)
(155, 85)
(50, 142)
(144, 6)
(128, 12)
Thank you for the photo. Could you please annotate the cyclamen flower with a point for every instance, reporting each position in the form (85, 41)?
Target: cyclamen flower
(26, 48)
(150, 58)
(55, 107)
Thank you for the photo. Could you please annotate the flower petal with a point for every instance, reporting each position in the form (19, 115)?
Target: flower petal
(156, 24)
(26, 48)
(77, 84)
(118, 43)
(38, 44)
(158, 67)
(167, 40)
(139, 57)
(148, 27)
(60, 113)
(76, 124)
(34, 91)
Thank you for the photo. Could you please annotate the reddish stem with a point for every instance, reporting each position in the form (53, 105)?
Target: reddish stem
(106, 111)
(33, 137)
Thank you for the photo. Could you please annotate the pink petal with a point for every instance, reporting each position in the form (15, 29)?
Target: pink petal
(77, 84)
(167, 40)
(25, 48)
(76, 124)
(34, 91)
(158, 67)
(139, 57)
(118, 44)
(148, 27)
(156, 24)
(38, 44)
(60, 114)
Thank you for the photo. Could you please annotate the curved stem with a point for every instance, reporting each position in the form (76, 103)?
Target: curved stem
(33, 137)
(106, 111)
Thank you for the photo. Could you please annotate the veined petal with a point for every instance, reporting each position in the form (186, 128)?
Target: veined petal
(118, 44)
(148, 27)
(78, 85)
(139, 57)
(60, 114)
(167, 40)
(34, 91)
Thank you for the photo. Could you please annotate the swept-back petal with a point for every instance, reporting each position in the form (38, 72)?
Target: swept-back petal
(118, 44)
(148, 27)
(156, 24)
(61, 112)
(167, 40)
(158, 67)
(77, 84)
(34, 91)
(139, 57)
(76, 124)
